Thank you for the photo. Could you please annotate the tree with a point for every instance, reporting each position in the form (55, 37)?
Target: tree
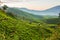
(5, 7)
(59, 21)
(59, 15)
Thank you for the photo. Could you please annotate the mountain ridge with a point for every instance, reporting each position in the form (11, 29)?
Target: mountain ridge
(51, 11)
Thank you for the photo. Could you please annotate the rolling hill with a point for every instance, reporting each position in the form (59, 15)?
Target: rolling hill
(12, 28)
(24, 15)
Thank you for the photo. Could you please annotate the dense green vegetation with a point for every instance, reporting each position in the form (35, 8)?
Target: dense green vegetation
(12, 28)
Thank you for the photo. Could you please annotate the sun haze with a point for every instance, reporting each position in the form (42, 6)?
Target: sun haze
(32, 4)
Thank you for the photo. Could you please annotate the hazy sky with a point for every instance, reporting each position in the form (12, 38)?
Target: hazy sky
(32, 4)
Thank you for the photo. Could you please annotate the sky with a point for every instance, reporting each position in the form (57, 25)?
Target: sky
(32, 4)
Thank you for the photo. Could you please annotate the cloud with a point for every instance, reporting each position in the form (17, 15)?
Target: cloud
(12, 0)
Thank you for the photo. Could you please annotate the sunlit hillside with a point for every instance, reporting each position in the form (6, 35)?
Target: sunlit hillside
(12, 28)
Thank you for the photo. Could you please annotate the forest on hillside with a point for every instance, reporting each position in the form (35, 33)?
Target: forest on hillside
(15, 27)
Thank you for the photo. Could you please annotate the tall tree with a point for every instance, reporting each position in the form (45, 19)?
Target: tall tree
(59, 15)
(59, 21)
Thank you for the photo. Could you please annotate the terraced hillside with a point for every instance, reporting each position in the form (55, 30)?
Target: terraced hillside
(18, 29)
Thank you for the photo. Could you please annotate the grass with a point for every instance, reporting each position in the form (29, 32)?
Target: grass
(15, 29)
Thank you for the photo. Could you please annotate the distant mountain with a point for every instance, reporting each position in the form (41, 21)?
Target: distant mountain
(54, 11)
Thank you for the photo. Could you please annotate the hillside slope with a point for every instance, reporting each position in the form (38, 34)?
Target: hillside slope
(14, 29)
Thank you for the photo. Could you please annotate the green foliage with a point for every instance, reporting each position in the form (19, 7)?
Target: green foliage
(5, 7)
(18, 29)
(59, 15)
